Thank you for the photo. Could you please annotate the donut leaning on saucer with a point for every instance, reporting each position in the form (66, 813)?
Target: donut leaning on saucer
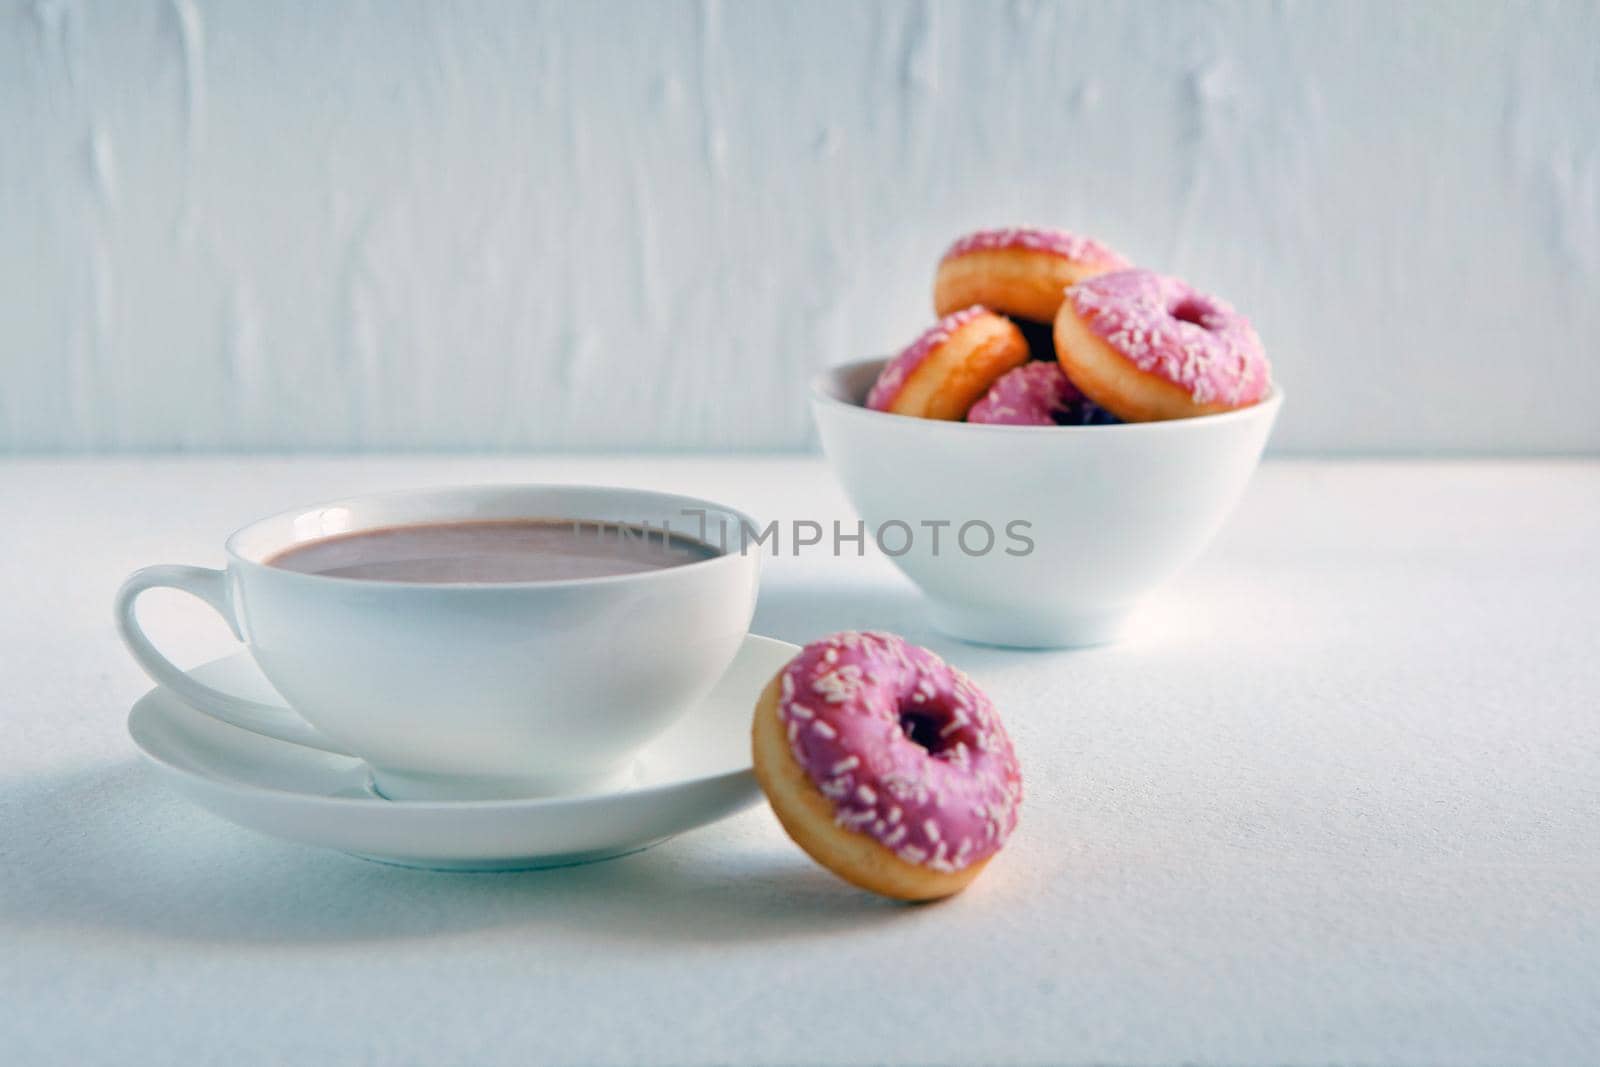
(887, 765)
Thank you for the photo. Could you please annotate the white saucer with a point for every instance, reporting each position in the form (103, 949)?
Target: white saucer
(696, 773)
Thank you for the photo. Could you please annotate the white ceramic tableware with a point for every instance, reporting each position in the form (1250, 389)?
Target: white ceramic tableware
(1108, 512)
(695, 773)
(467, 691)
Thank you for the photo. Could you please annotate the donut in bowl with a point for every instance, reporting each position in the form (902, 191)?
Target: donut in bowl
(1148, 347)
(945, 371)
(1021, 271)
(1034, 394)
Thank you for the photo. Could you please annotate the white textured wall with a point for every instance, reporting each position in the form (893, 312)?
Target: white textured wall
(322, 225)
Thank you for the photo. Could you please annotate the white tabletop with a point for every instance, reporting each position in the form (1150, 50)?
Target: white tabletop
(1335, 800)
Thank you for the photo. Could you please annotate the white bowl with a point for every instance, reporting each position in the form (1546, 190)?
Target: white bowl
(1111, 511)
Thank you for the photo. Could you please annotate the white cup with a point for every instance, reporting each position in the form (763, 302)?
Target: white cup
(478, 690)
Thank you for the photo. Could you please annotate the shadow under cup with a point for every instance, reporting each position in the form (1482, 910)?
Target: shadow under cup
(1047, 536)
(482, 690)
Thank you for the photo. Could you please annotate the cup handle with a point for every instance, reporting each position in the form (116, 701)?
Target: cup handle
(211, 586)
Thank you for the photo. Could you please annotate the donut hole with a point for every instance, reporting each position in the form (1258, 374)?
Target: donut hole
(1191, 311)
(929, 726)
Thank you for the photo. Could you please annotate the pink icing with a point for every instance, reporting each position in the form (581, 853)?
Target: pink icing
(894, 374)
(1058, 242)
(1166, 328)
(904, 747)
(1034, 394)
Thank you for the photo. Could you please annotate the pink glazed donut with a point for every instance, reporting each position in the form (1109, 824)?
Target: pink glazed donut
(1020, 271)
(1146, 347)
(943, 373)
(1035, 394)
(887, 765)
